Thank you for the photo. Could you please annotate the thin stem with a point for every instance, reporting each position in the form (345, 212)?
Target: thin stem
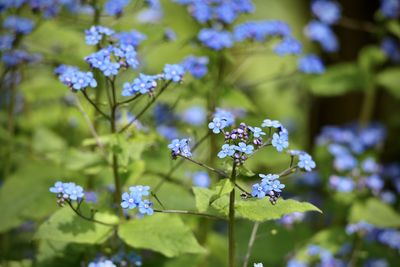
(243, 190)
(358, 25)
(231, 224)
(269, 79)
(146, 107)
(158, 200)
(129, 100)
(368, 106)
(288, 171)
(117, 181)
(188, 212)
(168, 176)
(90, 219)
(221, 173)
(251, 243)
(89, 123)
(94, 105)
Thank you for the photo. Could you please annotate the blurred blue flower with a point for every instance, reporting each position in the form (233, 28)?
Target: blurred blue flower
(327, 11)
(323, 34)
(391, 47)
(195, 115)
(341, 184)
(215, 39)
(197, 66)
(173, 72)
(115, 7)
(133, 38)
(311, 64)
(390, 8)
(18, 24)
(201, 179)
(288, 46)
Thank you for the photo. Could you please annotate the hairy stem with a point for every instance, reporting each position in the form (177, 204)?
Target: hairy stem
(140, 114)
(251, 243)
(231, 224)
(188, 212)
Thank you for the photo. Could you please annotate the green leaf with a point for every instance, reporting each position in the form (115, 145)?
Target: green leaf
(23, 263)
(371, 57)
(64, 225)
(203, 197)
(235, 97)
(164, 233)
(223, 187)
(389, 79)
(25, 194)
(337, 80)
(394, 27)
(262, 210)
(375, 212)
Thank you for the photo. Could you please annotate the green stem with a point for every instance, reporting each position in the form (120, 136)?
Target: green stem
(211, 169)
(251, 243)
(368, 106)
(115, 164)
(231, 224)
(188, 212)
(90, 219)
(140, 114)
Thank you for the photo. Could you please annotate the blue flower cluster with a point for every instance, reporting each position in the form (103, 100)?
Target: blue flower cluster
(173, 72)
(354, 169)
(196, 66)
(260, 31)
(123, 258)
(133, 38)
(18, 25)
(180, 147)
(390, 8)
(67, 192)
(269, 186)
(215, 39)
(327, 12)
(195, 115)
(12, 58)
(102, 263)
(134, 199)
(74, 78)
(115, 7)
(288, 46)
(95, 34)
(217, 11)
(143, 84)
(47, 8)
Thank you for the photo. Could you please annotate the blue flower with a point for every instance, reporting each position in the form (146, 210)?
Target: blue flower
(306, 162)
(391, 238)
(345, 162)
(260, 30)
(197, 66)
(58, 188)
(128, 53)
(226, 150)
(18, 25)
(225, 115)
(323, 34)
(143, 84)
(77, 80)
(180, 147)
(102, 263)
(257, 132)
(6, 41)
(140, 190)
(326, 11)
(296, 263)
(133, 38)
(258, 265)
(247, 149)
(341, 184)
(226, 12)
(168, 132)
(280, 141)
(115, 7)
(195, 115)
(271, 123)
(258, 191)
(95, 33)
(130, 201)
(215, 39)
(311, 64)
(391, 47)
(73, 191)
(173, 72)
(217, 125)
(146, 207)
(390, 8)
(201, 179)
(276, 186)
(267, 179)
(201, 11)
(375, 183)
(288, 46)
